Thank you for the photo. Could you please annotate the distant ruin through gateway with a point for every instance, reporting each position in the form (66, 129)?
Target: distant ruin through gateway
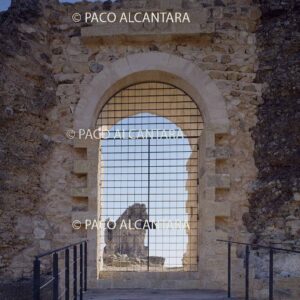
(149, 175)
(182, 75)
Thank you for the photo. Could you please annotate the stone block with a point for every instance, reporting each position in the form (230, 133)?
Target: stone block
(79, 192)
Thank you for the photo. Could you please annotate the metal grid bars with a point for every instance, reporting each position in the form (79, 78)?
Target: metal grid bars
(149, 179)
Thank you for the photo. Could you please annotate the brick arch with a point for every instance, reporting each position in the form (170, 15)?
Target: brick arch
(152, 66)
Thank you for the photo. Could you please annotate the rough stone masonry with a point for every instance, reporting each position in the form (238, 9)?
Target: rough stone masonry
(250, 50)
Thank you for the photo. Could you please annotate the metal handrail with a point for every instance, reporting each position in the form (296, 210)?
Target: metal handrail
(58, 249)
(56, 273)
(259, 246)
(247, 256)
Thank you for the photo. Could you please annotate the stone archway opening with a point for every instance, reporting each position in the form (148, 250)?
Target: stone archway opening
(148, 175)
(214, 183)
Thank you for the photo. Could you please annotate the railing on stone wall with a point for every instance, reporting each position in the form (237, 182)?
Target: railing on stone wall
(65, 282)
(248, 247)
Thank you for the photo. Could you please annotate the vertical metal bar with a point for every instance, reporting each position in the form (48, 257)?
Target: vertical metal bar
(36, 278)
(74, 272)
(247, 273)
(67, 274)
(271, 274)
(81, 272)
(85, 266)
(55, 276)
(148, 266)
(229, 271)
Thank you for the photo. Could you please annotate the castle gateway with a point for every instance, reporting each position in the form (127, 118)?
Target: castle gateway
(158, 136)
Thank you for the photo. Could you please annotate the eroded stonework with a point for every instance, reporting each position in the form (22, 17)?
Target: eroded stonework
(122, 239)
(46, 63)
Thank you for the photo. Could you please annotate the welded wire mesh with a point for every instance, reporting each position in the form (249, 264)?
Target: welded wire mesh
(149, 179)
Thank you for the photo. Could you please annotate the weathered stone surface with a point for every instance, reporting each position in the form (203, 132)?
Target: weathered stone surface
(122, 239)
(27, 95)
(96, 67)
(37, 161)
(276, 134)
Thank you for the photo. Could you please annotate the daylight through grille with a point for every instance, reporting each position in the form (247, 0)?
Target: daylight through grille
(149, 179)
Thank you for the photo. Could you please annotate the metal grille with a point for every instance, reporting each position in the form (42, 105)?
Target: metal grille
(149, 179)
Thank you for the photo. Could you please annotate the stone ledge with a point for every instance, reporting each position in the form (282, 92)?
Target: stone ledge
(79, 192)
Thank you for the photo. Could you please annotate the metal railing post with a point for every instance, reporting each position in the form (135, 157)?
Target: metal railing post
(272, 251)
(55, 276)
(247, 273)
(271, 274)
(54, 281)
(67, 274)
(36, 279)
(85, 266)
(229, 271)
(81, 272)
(74, 272)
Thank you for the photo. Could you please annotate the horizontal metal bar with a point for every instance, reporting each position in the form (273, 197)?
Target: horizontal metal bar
(160, 173)
(152, 109)
(156, 159)
(116, 102)
(259, 246)
(148, 123)
(149, 95)
(141, 166)
(164, 87)
(147, 138)
(152, 187)
(152, 152)
(141, 130)
(145, 194)
(157, 146)
(144, 180)
(58, 249)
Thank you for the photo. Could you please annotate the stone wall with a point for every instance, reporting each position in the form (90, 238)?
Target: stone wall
(274, 215)
(42, 80)
(224, 48)
(27, 92)
(274, 202)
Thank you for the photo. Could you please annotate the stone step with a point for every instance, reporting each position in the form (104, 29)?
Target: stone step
(151, 294)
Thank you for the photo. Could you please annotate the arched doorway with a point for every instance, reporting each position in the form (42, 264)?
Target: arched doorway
(149, 180)
(173, 70)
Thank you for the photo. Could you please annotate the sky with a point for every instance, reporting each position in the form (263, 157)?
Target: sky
(4, 4)
(168, 175)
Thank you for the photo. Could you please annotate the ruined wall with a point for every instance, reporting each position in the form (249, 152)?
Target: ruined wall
(224, 48)
(274, 215)
(275, 201)
(41, 80)
(27, 92)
